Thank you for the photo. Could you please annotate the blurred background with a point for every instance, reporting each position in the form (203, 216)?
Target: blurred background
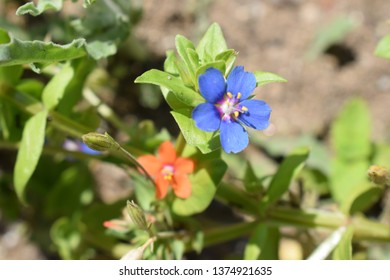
(324, 48)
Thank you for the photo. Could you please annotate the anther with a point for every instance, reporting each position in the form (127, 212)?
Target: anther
(229, 95)
(236, 113)
(244, 109)
(239, 95)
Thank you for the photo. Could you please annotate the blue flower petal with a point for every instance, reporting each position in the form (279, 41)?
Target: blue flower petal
(234, 137)
(258, 114)
(206, 117)
(241, 81)
(212, 85)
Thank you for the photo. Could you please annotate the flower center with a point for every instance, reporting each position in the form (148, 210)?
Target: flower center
(230, 107)
(167, 171)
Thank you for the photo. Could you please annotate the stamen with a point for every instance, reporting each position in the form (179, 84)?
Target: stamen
(239, 95)
(236, 113)
(244, 109)
(229, 94)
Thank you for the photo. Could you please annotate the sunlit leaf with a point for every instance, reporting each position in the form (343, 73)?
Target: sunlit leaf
(204, 186)
(55, 89)
(160, 78)
(263, 78)
(29, 152)
(211, 44)
(42, 6)
(350, 133)
(383, 47)
(205, 141)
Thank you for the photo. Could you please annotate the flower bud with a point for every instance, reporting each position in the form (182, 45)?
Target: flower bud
(379, 175)
(99, 142)
(137, 215)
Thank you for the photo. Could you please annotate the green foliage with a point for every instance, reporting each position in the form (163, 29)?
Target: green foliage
(289, 168)
(29, 151)
(263, 244)
(343, 251)
(42, 6)
(204, 186)
(383, 47)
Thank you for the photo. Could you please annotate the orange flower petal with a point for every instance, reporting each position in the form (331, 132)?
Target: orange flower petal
(181, 186)
(184, 165)
(152, 164)
(161, 187)
(167, 152)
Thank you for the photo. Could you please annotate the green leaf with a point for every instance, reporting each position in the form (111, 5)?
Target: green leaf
(220, 65)
(169, 63)
(183, 45)
(55, 89)
(10, 75)
(383, 47)
(263, 78)
(204, 184)
(160, 78)
(251, 182)
(346, 177)
(101, 49)
(178, 248)
(343, 251)
(211, 44)
(18, 52)
(30, 150)
(365, 199)
(350, 132)
(43, 5)
(263, 244)
(281, 181)
(229, 56)
(205, 141)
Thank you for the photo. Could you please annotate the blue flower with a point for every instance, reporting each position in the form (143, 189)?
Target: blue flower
(228, 108)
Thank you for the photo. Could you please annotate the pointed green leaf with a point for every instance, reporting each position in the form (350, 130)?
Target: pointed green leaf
(100, 49)
(211, 44)
(30, 150)
(346, 178)
(365, 199)
(263, 244)
(220, 65)
(169, 63)
(183, 45)
(383, 47)
(343, 251)
(229, 56)
(18, 52)
(160, 78)
(350, 132)
(43, 5)
(204, 184)
(251, 183)
(281, 181)
(55, 89)
(205, 141)
(263, 78)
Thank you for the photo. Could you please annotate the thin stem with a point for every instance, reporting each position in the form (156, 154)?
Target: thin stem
(104, 110)
(180, 144)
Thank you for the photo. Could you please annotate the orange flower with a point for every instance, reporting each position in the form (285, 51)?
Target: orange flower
(168, 169)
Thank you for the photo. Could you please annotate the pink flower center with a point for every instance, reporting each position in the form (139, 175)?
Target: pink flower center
(230, 108)
(167, 171)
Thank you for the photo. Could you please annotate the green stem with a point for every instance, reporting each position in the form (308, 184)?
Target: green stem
(180, 144)
(364, 229)
(52, 151)
(226, 233)
(104, 110)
